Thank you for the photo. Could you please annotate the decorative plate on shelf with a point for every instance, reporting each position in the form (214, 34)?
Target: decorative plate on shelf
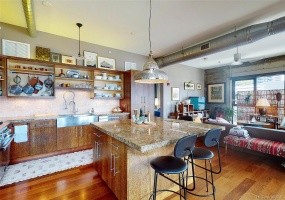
(70, 73)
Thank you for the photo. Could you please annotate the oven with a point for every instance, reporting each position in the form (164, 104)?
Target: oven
(5, 145)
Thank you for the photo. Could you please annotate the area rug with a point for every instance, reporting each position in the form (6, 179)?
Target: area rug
(35, 168)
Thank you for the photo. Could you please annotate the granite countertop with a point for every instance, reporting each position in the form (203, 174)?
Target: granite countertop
(147, 137)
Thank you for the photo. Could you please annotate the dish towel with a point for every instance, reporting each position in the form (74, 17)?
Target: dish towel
(21, 134)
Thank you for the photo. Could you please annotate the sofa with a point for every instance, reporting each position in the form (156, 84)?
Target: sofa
(263, 140)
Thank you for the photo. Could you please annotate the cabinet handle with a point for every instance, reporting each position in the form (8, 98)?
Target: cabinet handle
(98, 149)
(76, 132)
(112, 144)
(81, 131)
(95, 150)
(111, 160)
(144, 99)
(97, 135)
(115, 165)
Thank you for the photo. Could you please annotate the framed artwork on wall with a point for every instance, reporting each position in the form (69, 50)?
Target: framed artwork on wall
(189, 86)
(90, 59)
(216, 93)
(198, 86)
(106, 63)
(55, 57)
(42, 53)
(68, 60)
(175, 96)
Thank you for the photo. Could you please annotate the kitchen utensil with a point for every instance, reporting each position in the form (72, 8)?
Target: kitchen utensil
(16, 89)
(48, 83)
(28, 89)
(34, 81)
(38, 85)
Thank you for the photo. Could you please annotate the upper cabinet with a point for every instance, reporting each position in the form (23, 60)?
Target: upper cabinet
(29, 78)
(2, 77)
(108, 84)
(74, 77)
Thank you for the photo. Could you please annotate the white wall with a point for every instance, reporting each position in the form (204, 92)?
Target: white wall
(177, 75)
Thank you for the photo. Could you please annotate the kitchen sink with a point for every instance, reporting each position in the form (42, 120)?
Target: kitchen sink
(76, 120)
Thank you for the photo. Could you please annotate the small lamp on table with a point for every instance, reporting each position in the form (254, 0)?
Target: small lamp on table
(262, 104)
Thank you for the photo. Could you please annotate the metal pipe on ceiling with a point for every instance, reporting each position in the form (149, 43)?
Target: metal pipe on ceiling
(30, 17)
(243, 36)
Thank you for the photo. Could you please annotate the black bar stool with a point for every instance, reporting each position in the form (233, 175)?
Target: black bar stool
(177, 164)
(211, 139)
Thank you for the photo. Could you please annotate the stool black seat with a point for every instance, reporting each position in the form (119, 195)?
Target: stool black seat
(211, 139)
(177, 164)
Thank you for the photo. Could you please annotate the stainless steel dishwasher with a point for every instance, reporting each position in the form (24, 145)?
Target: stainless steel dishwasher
(103, 118)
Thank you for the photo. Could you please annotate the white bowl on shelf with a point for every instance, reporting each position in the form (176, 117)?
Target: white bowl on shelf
(106, 88)
(110, 77)
(98, 77)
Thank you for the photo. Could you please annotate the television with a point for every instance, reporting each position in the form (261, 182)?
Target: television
(198, 102)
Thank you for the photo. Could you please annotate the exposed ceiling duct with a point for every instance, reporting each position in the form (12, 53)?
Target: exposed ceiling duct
(244, 36)
(30, 17)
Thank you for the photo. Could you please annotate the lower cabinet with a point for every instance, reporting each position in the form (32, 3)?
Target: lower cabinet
(42, 137)
(110, 161)
(74, 136)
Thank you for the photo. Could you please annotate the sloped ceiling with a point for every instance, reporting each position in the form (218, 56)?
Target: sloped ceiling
(123, 24)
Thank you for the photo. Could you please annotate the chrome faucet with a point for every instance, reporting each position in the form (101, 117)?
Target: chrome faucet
(74, 110)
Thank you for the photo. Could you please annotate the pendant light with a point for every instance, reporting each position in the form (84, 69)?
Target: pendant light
(237, 55)
(151, 73)
(79, 57)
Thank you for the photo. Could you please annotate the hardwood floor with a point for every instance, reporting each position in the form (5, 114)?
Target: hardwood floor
(243, 176)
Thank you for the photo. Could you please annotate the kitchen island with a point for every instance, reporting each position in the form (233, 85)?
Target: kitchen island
(123, 151)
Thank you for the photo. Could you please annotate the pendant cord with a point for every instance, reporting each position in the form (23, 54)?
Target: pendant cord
(79, 43)
(149, 27)
(236, 38)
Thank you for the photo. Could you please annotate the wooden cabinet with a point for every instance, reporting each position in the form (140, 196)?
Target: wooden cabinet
(74, 136)
(110, 86)
(42, 137)
(74, 77)
(26, 72)
(137, 95)
(110, 161)
(2, 76)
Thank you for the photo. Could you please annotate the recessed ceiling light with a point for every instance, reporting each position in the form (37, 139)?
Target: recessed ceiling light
(205, 58)
(46, 3)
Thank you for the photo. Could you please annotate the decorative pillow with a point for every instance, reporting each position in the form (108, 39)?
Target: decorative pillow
(221, 120)
(239, 132)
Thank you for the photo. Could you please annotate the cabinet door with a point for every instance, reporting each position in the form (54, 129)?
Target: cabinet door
(85, 134)
(42, 137)
(118, 163)
(67, 137)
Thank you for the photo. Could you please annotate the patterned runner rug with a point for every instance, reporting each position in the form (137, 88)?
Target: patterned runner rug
(35, 168)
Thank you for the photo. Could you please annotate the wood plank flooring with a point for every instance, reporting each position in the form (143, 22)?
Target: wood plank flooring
(244, 177)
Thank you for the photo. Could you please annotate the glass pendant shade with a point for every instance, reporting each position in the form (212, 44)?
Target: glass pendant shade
(151, 73)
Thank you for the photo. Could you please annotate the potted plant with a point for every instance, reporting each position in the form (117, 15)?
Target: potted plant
(247, 98)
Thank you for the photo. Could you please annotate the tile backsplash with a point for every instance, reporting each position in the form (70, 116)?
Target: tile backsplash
(21, 106)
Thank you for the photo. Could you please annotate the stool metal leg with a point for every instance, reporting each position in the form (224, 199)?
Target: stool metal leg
(206, 175)
(211, 170)
(154, 185)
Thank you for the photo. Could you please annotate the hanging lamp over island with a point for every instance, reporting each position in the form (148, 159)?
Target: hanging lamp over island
(151, 73)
